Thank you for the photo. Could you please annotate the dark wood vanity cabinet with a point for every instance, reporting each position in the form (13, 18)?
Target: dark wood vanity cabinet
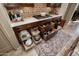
(37, 24)
(28, 4)
(54, 5)
(48, 4)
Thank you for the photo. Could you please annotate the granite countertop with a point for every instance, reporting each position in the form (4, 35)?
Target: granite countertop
(30, 20)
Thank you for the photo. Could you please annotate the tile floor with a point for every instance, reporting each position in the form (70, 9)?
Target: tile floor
(76, 50)
(21, 52)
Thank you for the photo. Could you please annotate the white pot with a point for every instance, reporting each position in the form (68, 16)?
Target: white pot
(28, 42)
(43, 14)
(24, 32)
(19, 18)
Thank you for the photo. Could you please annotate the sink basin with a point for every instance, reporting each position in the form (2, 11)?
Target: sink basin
(41, 17)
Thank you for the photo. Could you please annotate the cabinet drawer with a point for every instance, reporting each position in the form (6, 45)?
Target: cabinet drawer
(25, 26)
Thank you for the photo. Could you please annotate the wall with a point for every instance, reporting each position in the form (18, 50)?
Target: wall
(42, 7)
(37, 9)
(29, 11)
(63, 9)
(70, 11)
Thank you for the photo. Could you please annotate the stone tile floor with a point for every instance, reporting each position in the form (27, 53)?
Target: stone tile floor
(76, 50)
(73, 28)
(69, 29)
(21, 52)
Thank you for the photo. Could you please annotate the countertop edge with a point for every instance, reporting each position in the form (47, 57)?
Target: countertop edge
(26, 22)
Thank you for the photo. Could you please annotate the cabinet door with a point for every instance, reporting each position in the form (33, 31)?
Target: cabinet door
(54, 5)
(10, 6)
(4, 43)
(27, 4)
(7, 36)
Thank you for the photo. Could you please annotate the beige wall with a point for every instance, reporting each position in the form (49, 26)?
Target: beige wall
(41, 7)
(36, 10)
(70, 11)
(63, 9)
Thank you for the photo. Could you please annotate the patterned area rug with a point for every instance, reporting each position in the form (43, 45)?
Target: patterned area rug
(54, 45)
